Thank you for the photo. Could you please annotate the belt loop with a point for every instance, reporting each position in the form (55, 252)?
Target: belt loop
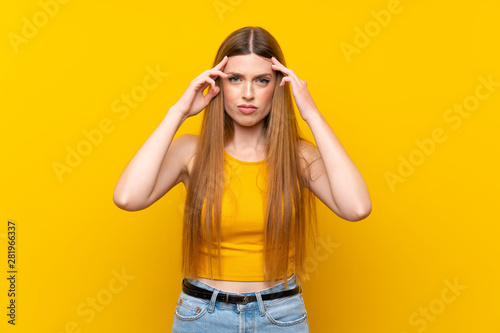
(298, 282)
(212, 300)
(260, 302)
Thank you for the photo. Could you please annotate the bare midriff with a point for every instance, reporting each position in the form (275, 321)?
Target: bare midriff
(239, 286)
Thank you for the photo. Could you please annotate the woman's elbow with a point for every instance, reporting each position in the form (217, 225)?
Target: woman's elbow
(359, 214)
(120, 201)
(124, 202)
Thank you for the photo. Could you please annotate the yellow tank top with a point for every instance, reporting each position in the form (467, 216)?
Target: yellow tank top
(242, 224)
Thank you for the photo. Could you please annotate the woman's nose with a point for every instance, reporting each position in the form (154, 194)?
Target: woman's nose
(248, 91)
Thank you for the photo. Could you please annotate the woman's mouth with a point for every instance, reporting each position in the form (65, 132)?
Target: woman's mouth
(247, 109)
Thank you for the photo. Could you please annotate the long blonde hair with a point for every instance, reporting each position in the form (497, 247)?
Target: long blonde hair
(284, 226)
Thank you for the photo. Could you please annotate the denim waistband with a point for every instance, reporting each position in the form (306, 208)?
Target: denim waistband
(292, 283)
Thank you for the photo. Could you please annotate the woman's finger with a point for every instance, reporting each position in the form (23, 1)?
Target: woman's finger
(222, 63)
(285, 79)
(204, 82)
(212, 82)
(285, 70)
(210, 94)
(278, 66)
(217, 73)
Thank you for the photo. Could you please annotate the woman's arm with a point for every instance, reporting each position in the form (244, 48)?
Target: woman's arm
(156, 168)
(137, 187)
(335, 179)
(341, 187)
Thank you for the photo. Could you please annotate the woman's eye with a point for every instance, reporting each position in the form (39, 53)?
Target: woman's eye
(261, 80)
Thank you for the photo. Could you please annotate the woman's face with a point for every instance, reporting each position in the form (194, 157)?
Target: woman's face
(250, 81)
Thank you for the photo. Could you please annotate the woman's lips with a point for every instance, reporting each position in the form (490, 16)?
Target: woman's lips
(246, 110)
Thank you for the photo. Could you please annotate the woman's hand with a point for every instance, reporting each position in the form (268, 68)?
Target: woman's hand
(193, 100)
(302, 97)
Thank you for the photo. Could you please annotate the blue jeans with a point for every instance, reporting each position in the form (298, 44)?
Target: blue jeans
(287, 314)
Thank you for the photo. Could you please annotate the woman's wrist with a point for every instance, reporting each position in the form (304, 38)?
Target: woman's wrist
(177, 114)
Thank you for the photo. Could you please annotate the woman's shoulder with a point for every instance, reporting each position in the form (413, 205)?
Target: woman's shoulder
(187, 144)
(307, 150)
(308, 153)
(189, 140)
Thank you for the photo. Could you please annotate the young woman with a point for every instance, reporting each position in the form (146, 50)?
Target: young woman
(251, 182)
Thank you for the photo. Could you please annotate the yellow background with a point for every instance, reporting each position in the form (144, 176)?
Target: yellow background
(438, 226)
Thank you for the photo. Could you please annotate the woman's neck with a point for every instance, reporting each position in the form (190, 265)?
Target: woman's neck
(247, 140)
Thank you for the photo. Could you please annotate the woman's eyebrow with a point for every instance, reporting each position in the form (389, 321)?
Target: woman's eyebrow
(259, 75)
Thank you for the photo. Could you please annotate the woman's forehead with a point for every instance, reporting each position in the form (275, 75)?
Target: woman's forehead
(249, 64)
